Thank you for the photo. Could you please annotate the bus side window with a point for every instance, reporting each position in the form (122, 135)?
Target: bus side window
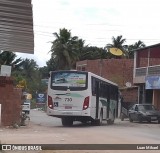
(106, 90)
(93, 86)
(97, 87)
(113, 93)
(102, 90)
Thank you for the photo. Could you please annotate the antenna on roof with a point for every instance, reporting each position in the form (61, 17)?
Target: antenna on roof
(115, 51)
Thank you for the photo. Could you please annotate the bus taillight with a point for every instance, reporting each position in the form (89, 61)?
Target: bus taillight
(86, 103)
(50, 102)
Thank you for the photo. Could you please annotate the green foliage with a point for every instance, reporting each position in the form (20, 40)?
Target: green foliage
(128, 50)
(33, 103)
(30, 72)
(91, 53)
(134, 46)
(25, 72)
(66, 50)
(9, 58)
(44, 71)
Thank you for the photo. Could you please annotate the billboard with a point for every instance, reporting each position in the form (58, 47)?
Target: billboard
(41, 98)
(152, 82)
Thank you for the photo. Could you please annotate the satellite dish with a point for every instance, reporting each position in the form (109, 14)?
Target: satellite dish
(128, 84)
(115, 51)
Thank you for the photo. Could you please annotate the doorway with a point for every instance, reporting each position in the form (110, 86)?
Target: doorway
(149, 96)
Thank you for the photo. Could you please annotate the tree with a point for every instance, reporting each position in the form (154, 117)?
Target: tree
(30, 73)
(9, 58)
(136, 45)
(44, 72)
(65, 49)
(52, 65)
(92, 52)
(28, 68)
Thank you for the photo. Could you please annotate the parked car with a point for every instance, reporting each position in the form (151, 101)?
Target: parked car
(143, 112)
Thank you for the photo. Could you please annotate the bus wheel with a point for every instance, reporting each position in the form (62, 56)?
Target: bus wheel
(122, 117)
(84, 122)
(110, 121)
(130, 119)
(67, 121)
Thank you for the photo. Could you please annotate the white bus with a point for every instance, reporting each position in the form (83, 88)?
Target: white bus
(81, 96)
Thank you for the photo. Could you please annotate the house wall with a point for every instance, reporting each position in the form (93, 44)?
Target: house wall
(144, 61)
(154, 61)
(119, 71)
(156, 98)
(130, 94)
(10, 100)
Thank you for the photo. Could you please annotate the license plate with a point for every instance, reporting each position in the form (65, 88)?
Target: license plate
(68, 107)
(153, 118)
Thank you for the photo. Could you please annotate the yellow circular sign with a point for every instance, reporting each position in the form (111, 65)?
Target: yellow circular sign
(115, 51)
(29, 96)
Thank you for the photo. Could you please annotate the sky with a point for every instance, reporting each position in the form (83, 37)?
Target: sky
(95, 21)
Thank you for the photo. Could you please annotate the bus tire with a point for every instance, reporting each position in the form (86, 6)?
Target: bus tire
(84, 122)
(122, 117)
(112, 122)
(109, 121)
(130, 119)
(67, 121)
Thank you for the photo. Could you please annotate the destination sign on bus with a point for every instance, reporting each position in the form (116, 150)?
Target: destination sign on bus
(69, 79)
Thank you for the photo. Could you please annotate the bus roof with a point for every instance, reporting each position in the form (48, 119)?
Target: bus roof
(95, 75)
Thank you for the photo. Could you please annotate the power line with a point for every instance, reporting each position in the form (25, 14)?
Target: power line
(47, 34)
(104, 40)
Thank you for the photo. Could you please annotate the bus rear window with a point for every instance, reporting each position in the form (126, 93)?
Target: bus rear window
(71, 80)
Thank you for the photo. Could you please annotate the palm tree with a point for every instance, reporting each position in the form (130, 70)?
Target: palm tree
(52, 64)
(136, 45)
(65, 49)
(92, 52)
(28, 69)
(9, 58)
(118, 42)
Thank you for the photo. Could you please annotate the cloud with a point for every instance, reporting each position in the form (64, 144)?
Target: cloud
(95, 21)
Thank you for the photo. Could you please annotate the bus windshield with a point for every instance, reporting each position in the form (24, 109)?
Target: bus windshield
(73, 80)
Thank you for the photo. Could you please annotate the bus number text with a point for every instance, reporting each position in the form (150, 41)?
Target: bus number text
(68, 99)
